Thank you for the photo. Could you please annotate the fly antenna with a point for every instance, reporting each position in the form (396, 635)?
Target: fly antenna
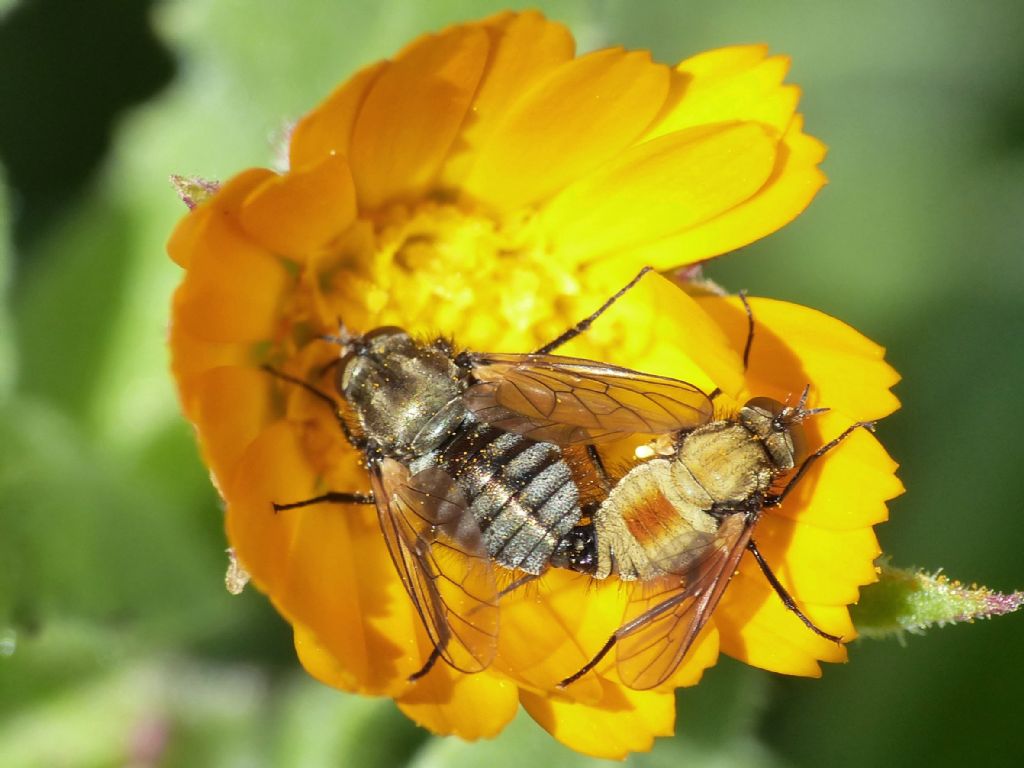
(799, 412)
(343, 338)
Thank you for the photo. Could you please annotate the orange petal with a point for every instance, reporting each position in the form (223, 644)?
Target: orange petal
(736, 83)
(233, 288)
(755, 627)
(659, 188)
(327, 130)
(848, 488)
(192, 356)
(794, 346)
(469, 706)
(351, 600)
(583, 113)
(412, 114)
(623, 721)
(302, 211)
(186, 234)
(191, 229)
(322, 664)
(818, 565)
(524, 48)
(233, 406)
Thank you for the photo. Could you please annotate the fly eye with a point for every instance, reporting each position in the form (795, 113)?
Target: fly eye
(768, 404)
(799, 438)
(383, 331)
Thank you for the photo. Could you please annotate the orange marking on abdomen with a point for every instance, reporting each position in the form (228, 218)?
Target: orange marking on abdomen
(653, 519)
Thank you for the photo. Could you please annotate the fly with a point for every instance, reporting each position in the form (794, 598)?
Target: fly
(458, 464)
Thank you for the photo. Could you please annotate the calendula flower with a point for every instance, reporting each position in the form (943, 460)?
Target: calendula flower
(488, 184)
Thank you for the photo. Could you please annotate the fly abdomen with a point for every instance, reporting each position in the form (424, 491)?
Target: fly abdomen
(520, 492)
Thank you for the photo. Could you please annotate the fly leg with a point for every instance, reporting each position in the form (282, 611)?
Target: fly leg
(786, 598)
(356, 441)
(750, 330)
(584, 324)
(599, 469)
(747, 344)
(776, 499)
(331, 497)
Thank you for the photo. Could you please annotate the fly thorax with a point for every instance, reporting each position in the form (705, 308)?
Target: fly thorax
(723, 461)
(407, 395)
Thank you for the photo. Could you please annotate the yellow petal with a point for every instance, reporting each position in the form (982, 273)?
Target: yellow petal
(551, 628)
(469, 706)
(755, 627)
(794, 346)
(302, 211)
(623, 721)
(582, 114)
(736, 83)
(659, 188)
(412, 114)
(659, 329)
(818, 565)
(848, 488)
(327, 130)
(524, 48)
(348, 600)
(793, 183)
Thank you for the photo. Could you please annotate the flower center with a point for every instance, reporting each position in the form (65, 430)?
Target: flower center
(436, 268)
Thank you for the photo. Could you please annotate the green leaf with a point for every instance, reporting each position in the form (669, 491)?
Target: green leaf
(8, 359)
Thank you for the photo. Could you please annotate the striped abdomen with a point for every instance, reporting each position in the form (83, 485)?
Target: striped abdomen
(521, 492)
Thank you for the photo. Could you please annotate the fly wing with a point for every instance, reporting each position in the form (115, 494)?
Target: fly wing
(569, 401)
(438, 552)
(664, 617)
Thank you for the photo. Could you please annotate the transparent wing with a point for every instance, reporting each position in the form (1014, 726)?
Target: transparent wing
(664, 617)
(438, 552)
(567, 400)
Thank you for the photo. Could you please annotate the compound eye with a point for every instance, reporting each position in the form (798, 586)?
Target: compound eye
(799, 438)
(769, 405)
(384, 331)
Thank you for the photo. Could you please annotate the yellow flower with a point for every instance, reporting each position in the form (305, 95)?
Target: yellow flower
(486, 183)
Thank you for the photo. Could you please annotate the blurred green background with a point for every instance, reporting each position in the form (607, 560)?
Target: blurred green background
(118, 643)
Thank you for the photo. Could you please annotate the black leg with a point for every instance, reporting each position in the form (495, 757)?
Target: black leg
(521, 581)
(774, 501)
(354, 440)
(590, 664)
(786, 598)
(599, 468)
(584, 324)
(332, 497)
(750, 330)
(427, 665)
